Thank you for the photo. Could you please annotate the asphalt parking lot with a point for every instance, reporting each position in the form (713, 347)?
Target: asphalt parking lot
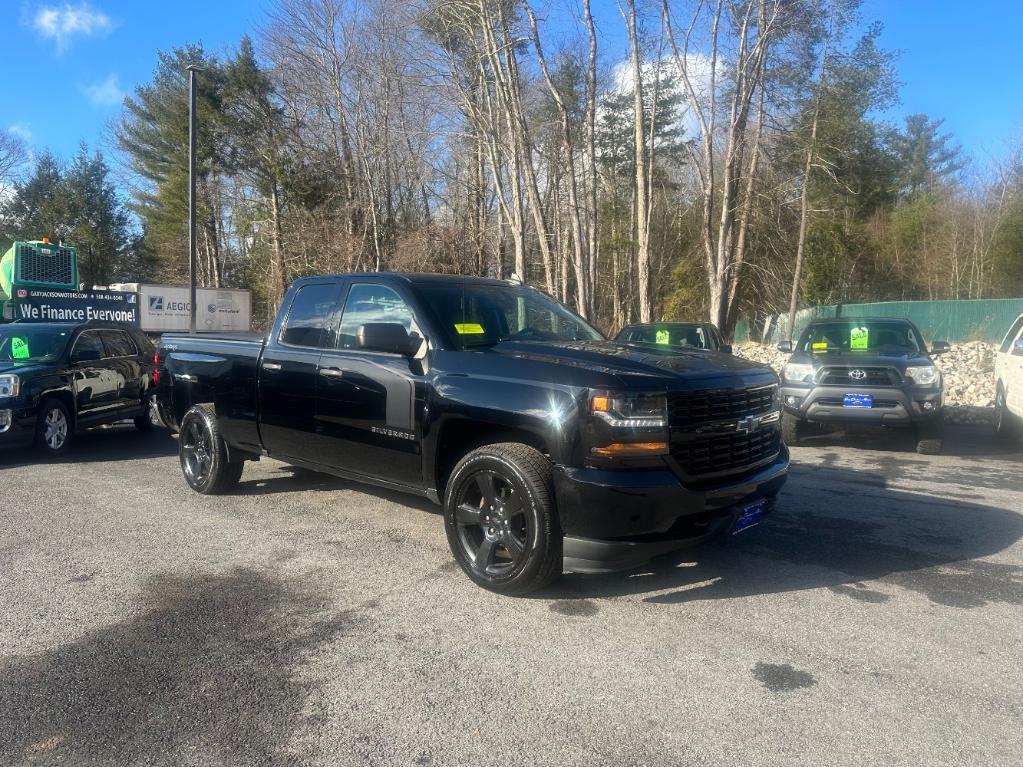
(874, 619)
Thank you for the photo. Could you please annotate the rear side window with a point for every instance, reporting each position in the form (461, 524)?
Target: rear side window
(1011, 335)
(310, 321)
(371, 303)
(88, 346)
(118, 343)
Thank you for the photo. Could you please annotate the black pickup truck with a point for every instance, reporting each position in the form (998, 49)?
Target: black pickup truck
(549, 446)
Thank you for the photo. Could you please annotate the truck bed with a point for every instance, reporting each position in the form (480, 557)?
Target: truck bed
(220, 368)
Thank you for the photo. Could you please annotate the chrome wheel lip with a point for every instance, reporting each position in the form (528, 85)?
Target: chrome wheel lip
(55, 428)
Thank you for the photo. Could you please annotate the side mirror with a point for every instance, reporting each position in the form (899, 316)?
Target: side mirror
(939, 347)
(785, 346)
(725, 348)
(85, 355)
(1017, 349)
(388, 337)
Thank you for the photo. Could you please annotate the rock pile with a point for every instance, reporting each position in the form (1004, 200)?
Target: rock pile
(968, 370)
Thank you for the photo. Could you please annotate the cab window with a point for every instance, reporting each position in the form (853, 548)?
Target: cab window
(310, 320)
(371, 303)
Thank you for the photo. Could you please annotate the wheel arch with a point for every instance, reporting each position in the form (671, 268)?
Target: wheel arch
(458, 437)
(63, 396)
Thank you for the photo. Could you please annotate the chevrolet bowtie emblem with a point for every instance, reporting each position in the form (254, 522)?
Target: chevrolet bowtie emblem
(747, 424)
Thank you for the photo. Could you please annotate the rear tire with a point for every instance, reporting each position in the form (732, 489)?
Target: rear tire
(54, 428)
(203, 454)
(500, 519)
(793, 429)
(148, 421)
(930, 438)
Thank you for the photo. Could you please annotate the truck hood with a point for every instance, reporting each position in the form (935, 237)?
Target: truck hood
(640, 365)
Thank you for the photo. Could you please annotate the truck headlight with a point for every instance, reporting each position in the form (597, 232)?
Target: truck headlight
(9, 386)
(923, 375)
(630, 410)
(797, 372)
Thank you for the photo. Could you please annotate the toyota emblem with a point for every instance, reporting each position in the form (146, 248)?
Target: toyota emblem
(857, 374)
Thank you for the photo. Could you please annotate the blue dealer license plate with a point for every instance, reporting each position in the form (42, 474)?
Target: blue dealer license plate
(749, 517)
(858, 400)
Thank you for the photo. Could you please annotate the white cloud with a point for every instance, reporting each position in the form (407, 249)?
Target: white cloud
(106, 92)
(61, 23)
(22, 131)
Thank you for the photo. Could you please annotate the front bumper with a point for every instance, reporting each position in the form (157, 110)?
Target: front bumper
(19, 429)
(892, 406)
(614, 520)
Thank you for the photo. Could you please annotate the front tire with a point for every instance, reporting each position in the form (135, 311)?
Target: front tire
(792, 429)
(54, 429)
(203, 454)
(1006, 425)
(930, 438)
(500, 519)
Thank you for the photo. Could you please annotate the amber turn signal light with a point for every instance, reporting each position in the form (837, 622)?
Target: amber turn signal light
(630, 449)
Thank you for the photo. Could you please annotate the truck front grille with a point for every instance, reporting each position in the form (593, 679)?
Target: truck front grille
(719, 404)
(844, 376)
(54, 268)
(726, 453)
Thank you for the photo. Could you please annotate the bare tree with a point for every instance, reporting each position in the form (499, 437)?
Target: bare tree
(14, 155)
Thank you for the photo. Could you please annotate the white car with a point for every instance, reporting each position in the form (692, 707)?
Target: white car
(1009, 381)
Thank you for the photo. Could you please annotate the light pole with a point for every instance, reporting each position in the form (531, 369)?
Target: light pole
(193, 70)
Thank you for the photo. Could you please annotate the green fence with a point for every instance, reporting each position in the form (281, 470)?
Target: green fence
(974, 320)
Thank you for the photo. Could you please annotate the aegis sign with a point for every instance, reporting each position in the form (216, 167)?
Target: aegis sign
(167, 308)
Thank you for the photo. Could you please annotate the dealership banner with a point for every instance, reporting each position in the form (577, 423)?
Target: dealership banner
(44, 305)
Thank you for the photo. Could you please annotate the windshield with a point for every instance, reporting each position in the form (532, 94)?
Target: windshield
(861, 336)
(685, 336)
(27, 344)
(483, 315)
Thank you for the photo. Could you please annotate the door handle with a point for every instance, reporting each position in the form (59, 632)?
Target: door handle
(332, 372)
(186, 377)
(271, 366)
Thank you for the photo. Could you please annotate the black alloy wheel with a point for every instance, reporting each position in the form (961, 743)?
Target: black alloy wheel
(203, 454)
(196, 453)
(500, 518)
(492, 524)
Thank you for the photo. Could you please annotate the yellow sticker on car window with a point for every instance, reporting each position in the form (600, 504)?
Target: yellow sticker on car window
(19, 348)
(858, 338)
(469, 329)
(662, 337)
(820, 346)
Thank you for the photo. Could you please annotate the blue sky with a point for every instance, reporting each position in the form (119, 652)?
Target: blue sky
(68, 64)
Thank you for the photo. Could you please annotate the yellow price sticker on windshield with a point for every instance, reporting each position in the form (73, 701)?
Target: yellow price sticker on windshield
(858, 338)
(662, 337)
(19, 348)
(469, 329)
(820, 346)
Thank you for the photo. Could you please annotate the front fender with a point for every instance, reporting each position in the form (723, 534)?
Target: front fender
(550, 412)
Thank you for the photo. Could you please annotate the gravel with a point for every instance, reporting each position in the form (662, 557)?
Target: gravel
(967, 369)
(874, 618)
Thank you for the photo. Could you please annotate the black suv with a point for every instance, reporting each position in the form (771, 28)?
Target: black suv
(59, 377)
(863, 371)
